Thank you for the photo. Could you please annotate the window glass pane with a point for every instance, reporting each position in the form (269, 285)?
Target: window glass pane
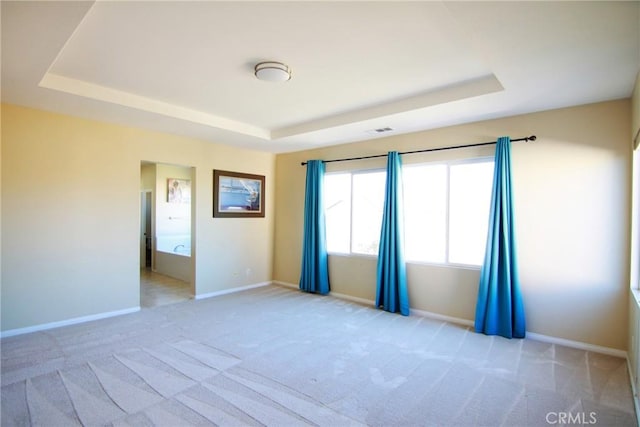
(337, 206)
(368, 201)
(470, 199)
(425, 212)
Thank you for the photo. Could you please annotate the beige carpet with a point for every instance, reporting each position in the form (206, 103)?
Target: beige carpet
(274, 356)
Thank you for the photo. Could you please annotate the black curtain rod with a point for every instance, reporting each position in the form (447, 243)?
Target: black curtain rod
(426, 150)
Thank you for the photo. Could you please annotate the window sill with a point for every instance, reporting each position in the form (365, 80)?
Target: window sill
(420, 263)
(449, 265)
(352, 255)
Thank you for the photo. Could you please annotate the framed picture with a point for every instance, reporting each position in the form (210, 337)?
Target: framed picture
(237, 195)
(178, 190)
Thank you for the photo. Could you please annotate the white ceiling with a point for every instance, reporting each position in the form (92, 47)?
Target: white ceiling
(187, 67)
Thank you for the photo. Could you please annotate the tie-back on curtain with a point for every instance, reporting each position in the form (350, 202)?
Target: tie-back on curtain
(314, 276)
(392, 294)
(500, 310)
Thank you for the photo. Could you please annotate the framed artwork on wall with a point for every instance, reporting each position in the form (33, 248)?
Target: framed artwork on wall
(178, 190)
(237, 195)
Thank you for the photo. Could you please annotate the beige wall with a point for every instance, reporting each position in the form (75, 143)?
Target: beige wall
(148, 177)
(572, 204)
(70, 216)
(70, 213)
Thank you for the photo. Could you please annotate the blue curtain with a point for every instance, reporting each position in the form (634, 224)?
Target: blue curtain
(315, 267)
(392, 292)
(500, 310)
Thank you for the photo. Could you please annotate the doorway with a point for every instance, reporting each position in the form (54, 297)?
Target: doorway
(146, 203)
(166, 234)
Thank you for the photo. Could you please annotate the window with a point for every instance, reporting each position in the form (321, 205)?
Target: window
(368, 202)
(425, 213)
(469, 204)
(635, 222)
(446, 211)
(337, 202)
(353, 211)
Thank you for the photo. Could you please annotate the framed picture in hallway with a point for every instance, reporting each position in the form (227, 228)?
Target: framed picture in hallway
(237, 195)
(178, 190)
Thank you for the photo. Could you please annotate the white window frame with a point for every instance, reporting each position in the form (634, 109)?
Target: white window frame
(351, 174)
(635, 222)
(448, 163)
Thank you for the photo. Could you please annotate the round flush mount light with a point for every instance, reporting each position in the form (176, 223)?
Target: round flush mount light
(272, 71)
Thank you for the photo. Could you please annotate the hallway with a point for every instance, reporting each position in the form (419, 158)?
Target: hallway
(157, 289)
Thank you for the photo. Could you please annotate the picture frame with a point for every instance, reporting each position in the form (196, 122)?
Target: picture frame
(178, 190)
(238, 195)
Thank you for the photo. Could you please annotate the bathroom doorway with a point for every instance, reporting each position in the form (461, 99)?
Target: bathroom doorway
(146, 203)
(166, 234)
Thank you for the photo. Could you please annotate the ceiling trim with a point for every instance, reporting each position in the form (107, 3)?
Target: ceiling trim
(469, 89)
(126, 99)
(454, 92)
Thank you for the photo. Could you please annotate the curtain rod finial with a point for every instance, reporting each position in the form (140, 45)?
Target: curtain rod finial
(532, 138)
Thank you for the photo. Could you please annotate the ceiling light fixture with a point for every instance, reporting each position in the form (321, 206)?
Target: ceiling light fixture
(271, 71)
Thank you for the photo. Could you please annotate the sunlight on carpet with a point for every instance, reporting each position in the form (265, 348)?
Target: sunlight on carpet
(277, 357)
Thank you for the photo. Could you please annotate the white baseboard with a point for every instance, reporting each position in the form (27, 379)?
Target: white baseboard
(74, 321)
(232, 290)
(634, 391)
(372, 303)
(423, 313)
(83, 319)
(443, 317)
(354, 299)
(530, 335)
(577, 344)
(288, 285)
(333, 294)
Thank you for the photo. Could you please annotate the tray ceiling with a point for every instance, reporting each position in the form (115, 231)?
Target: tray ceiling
(187, 67)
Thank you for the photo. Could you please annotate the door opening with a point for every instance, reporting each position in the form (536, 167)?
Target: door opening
(166, 233)
(146, 200)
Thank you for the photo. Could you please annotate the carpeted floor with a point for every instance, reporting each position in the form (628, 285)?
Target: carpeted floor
(275, 356)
